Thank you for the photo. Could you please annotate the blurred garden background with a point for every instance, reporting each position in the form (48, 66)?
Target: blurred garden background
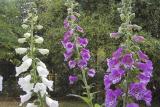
(99, 18)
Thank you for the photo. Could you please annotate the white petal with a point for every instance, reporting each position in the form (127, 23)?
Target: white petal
(25, 83)
(25, 98)
(48, 83)
(51, 103)
(25, 58)
(39, 40)
(21, 50)
(43, 72)
(40, 63)
(40, 87)
(22, 40)
(43, 51)
(31, 105)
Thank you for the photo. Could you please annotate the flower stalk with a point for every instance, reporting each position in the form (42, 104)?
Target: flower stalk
(76, 53)
(129, 69)
(33, 71)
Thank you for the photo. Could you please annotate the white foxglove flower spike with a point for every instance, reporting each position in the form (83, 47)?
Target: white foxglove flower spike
(51, 103)
(21, 50)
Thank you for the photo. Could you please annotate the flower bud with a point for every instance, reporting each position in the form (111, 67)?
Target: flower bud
(39, 27)
(21, 50)
(43, 51)
(27, 35)
(39, 40)
(21, 40)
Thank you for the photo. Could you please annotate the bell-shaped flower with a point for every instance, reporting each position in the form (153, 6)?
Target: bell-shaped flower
(24, 66)
(25, 83)
(72, 64)
(27, 35)
(48, 83)
(43, 72)
(25, 58)
(91, 72)
(72, 79)
(39, 27)
(40, 63)
(24, 26)
(25, 98)
(21, 50)
(21, 40)
(115, 35)
(31, 105)
(40, 87)
(43, 51)
(39, 40)
(51, 103)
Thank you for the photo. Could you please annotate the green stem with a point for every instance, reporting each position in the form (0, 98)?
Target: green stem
(125, 99)
(34, 72)
(87, 87)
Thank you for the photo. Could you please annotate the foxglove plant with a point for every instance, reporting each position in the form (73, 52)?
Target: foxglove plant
(76, 53)
(129, 69)
(33, 71)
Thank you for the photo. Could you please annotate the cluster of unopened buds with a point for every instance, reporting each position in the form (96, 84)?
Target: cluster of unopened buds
(76, 54)
(33, 71)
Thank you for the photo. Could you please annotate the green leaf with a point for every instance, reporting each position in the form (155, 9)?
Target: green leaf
(85, 99)
(97, 105)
